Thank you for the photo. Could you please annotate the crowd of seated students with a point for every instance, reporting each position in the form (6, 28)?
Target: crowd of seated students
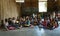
(13, 23)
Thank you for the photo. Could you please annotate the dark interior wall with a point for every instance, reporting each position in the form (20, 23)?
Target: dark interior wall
(52, 5)
(58, 4)
(29, 6)
(31, 3)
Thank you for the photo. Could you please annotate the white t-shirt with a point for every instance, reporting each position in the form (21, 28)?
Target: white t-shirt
(6, 24)
(13, 21)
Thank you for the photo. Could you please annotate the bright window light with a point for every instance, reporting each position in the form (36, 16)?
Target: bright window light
(42, 0)
(21, 1)
(42, 6)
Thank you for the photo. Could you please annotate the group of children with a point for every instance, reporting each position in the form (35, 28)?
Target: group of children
(13, 23)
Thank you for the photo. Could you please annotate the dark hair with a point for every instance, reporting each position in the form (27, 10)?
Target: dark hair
(9, 19)
(6, 20)
(13, 18)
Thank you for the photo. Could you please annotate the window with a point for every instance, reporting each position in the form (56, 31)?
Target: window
(42, 5)
(21, 1)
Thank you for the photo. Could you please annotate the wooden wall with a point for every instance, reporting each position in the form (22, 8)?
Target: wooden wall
(52, 5)
(8, 8)
(31, 3)
(30, 6)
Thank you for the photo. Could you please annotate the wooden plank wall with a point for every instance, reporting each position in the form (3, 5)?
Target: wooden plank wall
(8, 8)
